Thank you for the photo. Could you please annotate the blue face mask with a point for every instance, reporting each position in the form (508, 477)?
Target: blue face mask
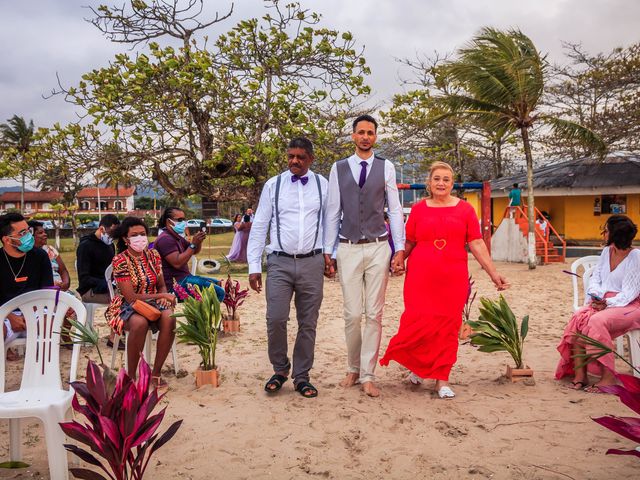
(179, 227)
(27, 242)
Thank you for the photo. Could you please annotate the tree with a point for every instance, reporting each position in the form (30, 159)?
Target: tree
(503, 75)
(602, 92)
(114, 168)
(214, 118)
(17, 147)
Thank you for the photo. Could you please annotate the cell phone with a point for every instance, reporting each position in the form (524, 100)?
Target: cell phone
(595, 297)
(202, 227)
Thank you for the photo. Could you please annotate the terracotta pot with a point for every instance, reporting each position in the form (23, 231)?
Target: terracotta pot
(207, 377)
(231, 324)
(517, 374)
(465, 331)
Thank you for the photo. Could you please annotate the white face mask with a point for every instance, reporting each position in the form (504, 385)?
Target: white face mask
(106, 238)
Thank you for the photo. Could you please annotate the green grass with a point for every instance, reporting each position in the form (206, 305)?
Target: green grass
(215, 246)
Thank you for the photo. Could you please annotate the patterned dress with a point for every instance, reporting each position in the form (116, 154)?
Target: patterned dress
(142, 272)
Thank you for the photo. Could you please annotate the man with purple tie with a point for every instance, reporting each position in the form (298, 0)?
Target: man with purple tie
(359, 188)
(291, 208)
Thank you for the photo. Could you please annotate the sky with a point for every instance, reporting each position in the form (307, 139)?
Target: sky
(42, 39)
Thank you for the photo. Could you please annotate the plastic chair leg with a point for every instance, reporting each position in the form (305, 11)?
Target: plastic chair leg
(56, 453)
(634, 350)
(620, 345)
(174, 354)
(114, 352)
(14, 440)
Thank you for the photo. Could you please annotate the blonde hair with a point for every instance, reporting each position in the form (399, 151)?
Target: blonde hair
(439, 166)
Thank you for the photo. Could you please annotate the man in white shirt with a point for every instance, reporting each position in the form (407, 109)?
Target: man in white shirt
(359, 188)
(293, 205)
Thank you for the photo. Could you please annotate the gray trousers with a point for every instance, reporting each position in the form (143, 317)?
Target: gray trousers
(286, 276)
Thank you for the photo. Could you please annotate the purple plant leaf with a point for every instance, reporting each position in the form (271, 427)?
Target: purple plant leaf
(147, 429)
(166, 436)
(85, 410)
(631, 383)
(81, 389)
(84, 435)
(630, 399)
(83, 455)
(86, 474)
(144, 377)
(110, 429)
(129, 410)
(614, 451)
(95, 384)
(145, 409)
(621, 426)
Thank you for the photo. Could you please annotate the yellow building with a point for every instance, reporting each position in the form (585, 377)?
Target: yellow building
(579, 195)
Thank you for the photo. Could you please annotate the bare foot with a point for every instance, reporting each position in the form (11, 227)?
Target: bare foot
(350, 380)
(370, 389)
(12, 356)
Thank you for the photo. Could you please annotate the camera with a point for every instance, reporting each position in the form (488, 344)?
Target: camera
(246, 218)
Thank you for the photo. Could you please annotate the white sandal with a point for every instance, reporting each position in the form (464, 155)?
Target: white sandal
(446, 392)
(414, 379)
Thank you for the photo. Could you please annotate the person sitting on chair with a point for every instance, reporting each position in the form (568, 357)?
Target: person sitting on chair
(612, 308)
(138, 275)
(176, 252)
(22, 269)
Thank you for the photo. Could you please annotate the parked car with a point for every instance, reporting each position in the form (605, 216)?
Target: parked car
(221, 222)
(91, 224)
(48, 225)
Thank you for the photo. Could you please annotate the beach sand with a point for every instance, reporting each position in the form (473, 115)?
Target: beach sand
(493, 429)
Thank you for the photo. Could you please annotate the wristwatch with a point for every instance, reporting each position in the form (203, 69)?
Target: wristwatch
(192, 245)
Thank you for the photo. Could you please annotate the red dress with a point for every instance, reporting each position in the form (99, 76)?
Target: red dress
(436, 288)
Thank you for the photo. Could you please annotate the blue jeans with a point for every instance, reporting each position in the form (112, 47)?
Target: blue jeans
(203, 282)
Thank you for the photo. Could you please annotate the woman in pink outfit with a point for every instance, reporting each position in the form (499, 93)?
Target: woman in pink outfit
(612, 308)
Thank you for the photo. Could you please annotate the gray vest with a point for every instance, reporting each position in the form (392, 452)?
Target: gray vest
(362, 208)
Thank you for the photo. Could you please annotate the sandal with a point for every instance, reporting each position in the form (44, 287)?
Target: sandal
(577, 385)
(594, 389)
(307, 390)
(275, 383)
(445, 392)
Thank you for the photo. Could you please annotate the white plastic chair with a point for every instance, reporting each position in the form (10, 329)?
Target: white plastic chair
(633, 335)
(41, 394)
(585, 263)
(108, 274)
(194, 265)
(91, 307)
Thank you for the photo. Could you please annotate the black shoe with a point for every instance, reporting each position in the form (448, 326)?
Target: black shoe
(121, 345)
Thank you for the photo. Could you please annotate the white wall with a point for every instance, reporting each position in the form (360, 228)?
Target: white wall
(508, 244)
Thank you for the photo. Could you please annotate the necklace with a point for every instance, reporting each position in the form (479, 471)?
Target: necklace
(15, 275)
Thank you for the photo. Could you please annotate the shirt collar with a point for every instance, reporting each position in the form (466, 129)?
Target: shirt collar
(356, 159)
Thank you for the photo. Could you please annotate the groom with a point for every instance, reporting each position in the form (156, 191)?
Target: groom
(359, 188)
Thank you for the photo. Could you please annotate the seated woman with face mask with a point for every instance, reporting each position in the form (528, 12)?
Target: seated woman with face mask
(138, 275)
(176, 251)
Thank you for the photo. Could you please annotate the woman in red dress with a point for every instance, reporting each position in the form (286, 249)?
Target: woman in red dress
(437, 281)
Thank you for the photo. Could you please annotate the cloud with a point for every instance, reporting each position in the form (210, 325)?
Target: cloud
(42, 37)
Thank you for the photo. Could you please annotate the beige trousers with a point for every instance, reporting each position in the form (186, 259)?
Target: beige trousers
(364, 272)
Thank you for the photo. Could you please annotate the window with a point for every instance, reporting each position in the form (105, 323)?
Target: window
(46, 206)
(614, 204)
(84, 205)
(117, 205)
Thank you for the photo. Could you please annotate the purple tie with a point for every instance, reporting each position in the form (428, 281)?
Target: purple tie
(363, 174)
(303, 180)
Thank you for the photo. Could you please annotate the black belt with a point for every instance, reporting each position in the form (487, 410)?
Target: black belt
(298, 255)
(365, 240)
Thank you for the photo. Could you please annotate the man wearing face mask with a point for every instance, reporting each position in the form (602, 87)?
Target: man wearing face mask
(176, 251)
(22, 268)
(94, 255)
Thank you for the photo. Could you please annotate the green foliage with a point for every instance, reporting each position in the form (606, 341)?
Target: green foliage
(215, 121)
(202, 319)
(497, 330)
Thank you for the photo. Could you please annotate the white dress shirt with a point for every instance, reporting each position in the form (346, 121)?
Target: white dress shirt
(334, 212)
(298, 213)
(624, 279)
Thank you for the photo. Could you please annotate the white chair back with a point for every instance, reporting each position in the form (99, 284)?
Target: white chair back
(585, 263)
(194, 265)
(108, 276)
(44, 321)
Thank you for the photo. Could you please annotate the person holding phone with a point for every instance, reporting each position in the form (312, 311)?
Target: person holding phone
(176, 251)
(612, 309)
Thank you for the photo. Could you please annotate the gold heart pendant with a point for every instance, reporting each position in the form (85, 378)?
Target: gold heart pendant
(440, 243)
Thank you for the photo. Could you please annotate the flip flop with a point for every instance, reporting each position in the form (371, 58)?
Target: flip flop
(594, 389)
(414, 379)
(446, 392)
(577, 385)
(276, 381)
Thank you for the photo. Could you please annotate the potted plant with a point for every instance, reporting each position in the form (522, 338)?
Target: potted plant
(121, 428)
(465, 328)
(497, 330)
(233, 298)
(200, 327)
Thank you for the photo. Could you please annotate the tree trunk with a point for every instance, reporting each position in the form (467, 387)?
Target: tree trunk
(531, 236)
(22, 209)
(498, 159)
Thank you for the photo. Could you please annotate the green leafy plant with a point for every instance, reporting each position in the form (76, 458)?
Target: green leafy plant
(201, 324)
(497, 329)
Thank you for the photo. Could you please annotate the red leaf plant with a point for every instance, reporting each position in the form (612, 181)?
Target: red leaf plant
(121, 428)
(628, 427)
(233, 296)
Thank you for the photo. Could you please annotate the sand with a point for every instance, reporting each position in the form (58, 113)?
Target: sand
(493, 429)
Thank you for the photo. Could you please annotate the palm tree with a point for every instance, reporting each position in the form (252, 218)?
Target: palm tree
(503, 78)
(17, 140)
